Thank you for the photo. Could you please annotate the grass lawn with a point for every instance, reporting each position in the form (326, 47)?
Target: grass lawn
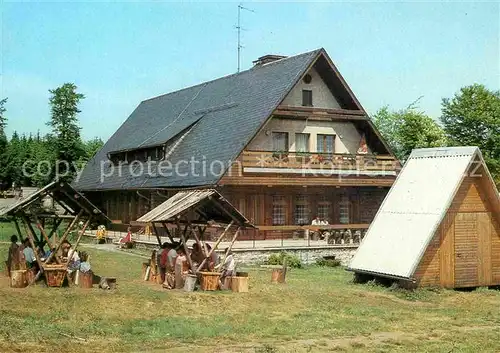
(318, 310)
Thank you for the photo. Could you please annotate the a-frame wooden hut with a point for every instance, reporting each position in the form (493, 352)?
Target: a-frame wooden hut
(439, 224)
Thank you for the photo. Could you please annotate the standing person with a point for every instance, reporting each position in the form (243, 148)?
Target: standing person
(162, 261)
(168, 260)
(214, 259)
(229, 265)
(14, 257)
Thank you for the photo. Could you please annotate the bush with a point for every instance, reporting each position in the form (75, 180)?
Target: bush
(328, 262)
(291, 260)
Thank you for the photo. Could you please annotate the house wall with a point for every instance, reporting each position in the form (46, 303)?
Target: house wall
(322, 96)
(465, 251)
(256, 203)
(347, 137)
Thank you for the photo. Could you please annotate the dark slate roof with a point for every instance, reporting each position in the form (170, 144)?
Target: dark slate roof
(212, 121)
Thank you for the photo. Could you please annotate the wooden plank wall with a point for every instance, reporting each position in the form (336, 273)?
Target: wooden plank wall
(465, 251)
(256, 204)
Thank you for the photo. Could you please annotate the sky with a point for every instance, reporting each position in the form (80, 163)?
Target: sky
(120, 53)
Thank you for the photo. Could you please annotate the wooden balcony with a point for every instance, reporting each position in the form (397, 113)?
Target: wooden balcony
(318, 163)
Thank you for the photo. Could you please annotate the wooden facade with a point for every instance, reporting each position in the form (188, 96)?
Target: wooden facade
(323, 157)
(465, 251)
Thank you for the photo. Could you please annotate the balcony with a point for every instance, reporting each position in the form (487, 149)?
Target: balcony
(313, 163)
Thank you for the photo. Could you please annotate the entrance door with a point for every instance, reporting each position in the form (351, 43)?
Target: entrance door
(466, 250)
(473, 265)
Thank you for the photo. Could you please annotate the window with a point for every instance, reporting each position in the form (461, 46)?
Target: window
(307, 98)
(301, 209)
(344, 207)
(324, 207)
(280, 141)
(279, 210)
(302, 142)
(141, 155)
(325, 144)
(307, 79)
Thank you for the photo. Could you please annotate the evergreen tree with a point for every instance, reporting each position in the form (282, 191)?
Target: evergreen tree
(3, 145)
(69, 149)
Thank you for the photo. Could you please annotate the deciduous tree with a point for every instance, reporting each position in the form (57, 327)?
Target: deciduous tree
(472, 118)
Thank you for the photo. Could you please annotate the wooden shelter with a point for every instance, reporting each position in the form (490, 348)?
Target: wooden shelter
(47, 210)
(439, 225)
(188, 214)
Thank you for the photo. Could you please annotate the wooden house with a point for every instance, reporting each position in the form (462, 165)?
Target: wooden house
(439, 224)
(284, 141)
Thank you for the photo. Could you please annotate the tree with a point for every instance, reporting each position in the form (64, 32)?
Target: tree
(69, 149)
(3, 143)
(407, 129)
(92, 147)
(472, 118)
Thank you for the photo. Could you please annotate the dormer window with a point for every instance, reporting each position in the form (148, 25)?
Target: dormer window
(142, 155)
(307, 98)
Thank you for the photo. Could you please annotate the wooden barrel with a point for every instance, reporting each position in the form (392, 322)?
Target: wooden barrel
(190, 283)
(239, 284)
(209, 280)
(227, 283)
(86, 279)
(18, 279)
(30, 275)
(55, 274)
(278, 276)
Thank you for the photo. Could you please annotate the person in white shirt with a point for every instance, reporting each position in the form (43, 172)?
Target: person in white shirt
(316, 221)
(29, 254)
(229, 265)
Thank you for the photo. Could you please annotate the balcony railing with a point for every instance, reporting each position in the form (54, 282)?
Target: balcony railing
(322, 161)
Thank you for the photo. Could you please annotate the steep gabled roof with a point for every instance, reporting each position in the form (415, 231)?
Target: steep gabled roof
(414, 208)
(210, 123)
(231, 108)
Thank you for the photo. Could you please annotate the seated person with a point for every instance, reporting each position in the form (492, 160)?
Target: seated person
(29, 254)
(316, 221)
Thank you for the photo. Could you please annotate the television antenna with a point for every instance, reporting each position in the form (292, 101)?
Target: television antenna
(239, 28)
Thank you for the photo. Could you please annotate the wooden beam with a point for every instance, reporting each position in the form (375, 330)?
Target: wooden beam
(32, 243)
(65, 235)
(321, 110)
(156, 233)
(221, 208)
(188, 255)
(215, 246)
(229, 248)
(66, 208)
(169, 235)
(80, 236)
(18, 229)
(30, 226)
(42, 231)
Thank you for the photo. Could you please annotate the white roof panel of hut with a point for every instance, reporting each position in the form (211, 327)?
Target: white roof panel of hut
(413, 210)
(207, 204)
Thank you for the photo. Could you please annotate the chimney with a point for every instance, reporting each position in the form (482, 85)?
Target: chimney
(266, 59)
